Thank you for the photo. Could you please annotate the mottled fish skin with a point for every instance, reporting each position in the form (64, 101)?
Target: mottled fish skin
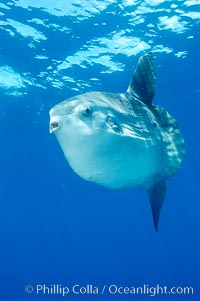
(121, 140)
(118, 148)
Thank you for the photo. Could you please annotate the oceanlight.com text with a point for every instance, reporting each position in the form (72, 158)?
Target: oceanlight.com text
(111, 289)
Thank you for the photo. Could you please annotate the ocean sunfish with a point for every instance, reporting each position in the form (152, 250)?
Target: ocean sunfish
(121, 140)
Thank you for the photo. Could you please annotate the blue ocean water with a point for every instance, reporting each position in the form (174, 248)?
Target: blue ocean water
(55, 228)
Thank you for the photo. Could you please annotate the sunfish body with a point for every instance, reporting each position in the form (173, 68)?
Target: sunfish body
(121, 140)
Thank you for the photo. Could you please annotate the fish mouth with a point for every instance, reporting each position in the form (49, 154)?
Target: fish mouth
(53, 126)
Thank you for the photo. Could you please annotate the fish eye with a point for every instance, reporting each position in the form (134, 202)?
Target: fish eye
(87, 111)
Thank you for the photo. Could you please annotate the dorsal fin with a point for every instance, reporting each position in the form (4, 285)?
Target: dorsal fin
(143, 83)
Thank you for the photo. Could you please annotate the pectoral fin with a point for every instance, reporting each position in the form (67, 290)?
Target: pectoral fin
(156, 195)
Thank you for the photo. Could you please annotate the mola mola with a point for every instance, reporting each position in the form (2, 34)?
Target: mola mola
(121, 140)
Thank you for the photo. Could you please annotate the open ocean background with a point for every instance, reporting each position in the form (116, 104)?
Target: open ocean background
(56, 228)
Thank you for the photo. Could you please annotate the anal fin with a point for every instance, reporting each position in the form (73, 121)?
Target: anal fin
(156, 194)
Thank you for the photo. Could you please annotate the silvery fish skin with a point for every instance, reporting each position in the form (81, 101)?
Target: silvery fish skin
(121, 140)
